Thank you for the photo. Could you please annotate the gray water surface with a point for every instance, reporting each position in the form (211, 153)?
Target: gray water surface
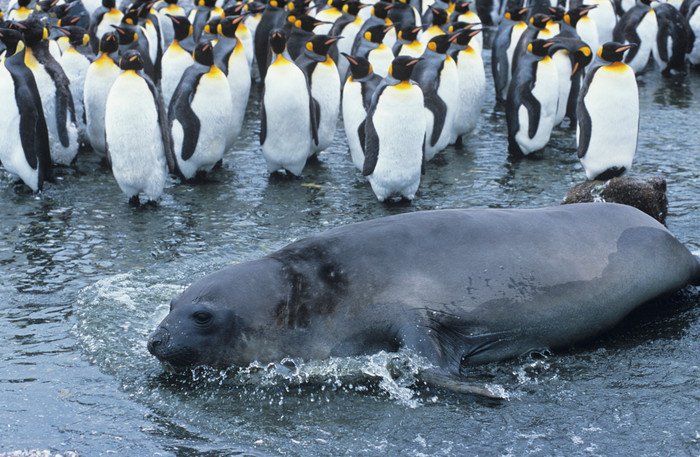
(86, 278)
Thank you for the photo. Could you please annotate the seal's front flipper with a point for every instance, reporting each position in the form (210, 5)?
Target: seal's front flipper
(445, 381)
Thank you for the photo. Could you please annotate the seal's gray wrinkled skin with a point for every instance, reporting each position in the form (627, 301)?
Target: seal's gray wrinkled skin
(457, 286)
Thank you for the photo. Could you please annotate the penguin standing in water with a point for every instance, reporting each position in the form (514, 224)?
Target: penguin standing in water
(75, 63)
(570, 56)
(472, 84)
(199, 115)
(674, 39)
(502, 48)
(394, 156)
(608, 115)
(288, 125)
(231, 58)
(24, 143)
(99, 78)
(136, 132)
(638, 26)
(177, 58)
(54, 88)
(436, 74)
(357, 97)
(691, 11)
(324, 82)
(532, 100)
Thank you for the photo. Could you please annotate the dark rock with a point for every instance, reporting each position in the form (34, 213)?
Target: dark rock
(645, 194)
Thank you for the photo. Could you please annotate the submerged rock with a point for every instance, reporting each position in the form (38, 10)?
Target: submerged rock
(645, 194)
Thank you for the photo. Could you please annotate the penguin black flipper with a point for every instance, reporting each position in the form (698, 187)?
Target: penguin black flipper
(582, 116)
(163, 124)
(315, 110)
(439, 109)
(65, 109)
(371, 147)
(626, 32)
(533, 112)
(181, 109)
(361, 135)
(263, 121)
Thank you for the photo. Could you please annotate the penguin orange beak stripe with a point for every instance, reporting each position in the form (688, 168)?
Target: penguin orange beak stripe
(622, 48)
(332, 40)
(575, 68)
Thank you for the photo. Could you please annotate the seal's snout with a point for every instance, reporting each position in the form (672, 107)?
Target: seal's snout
(158, 339)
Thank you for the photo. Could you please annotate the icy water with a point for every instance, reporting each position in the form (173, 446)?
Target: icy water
(85, 279)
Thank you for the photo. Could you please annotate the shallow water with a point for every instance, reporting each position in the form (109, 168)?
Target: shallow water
(87, 278)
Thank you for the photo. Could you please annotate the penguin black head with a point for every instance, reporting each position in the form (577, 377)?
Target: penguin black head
(402, 67)
(207, 3)
(131, 60)
(212, 26)
(77, 36)
(46, 5)
(12, 39)
(182, 28)
(439, 43)
(359, 66)
(582, 57)
(253, 7)
(228, 26)
(381, 9)
(204, 53)
(462, 7)
(278, 41)
(376, 33)
(516, 14)
(352, 7)
(109, 4)
(337, 4)
(556, 13)
(459, 25)
(539, 20)
(32, 29)
(575, 14)
(321, 44)
(307, 23)
(109, 42)
(613, 51)
(440, 16)
(23, 3)
(171, 2)
(463, 36)
(145, 10)
(539, 48)
(131, 17)
(409, 33)
(127, 34)
(235, 10)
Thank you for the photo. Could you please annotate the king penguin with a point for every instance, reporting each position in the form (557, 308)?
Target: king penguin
(608, 115)
(99, 78)
(532, 100)
(230, 57)
(288, 125)
(54, 88)
(372, 47)
(347, 26)
(75, 63)
(24, 143)
(177, 58)
(584, 25)
(164, 9)
(394, 156)
(674, 39)
(407, 43)
(136, 132)
(570, 56)
(436, 74)
(324, 82)
(357, 97)
(199, 115)
(472, 84)
(502, 48)
(638, 26)
(103, 18)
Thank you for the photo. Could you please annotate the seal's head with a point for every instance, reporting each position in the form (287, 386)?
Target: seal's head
(221, 319)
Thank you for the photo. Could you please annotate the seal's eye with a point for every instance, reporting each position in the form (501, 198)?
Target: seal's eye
(202, 317)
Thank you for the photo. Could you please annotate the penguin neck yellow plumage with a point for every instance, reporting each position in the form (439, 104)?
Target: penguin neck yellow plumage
(280, 60)
(468, 50)
(403, 85)
(104, 60)
(174, 10)
(29, 59)
(617, 67)
(215, 72)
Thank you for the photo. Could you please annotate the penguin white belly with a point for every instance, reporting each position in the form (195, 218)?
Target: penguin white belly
(60, 154)
(647, 30)
(447, 91)
(91, 5)
(75, 66)
(325, 88)
(109, 19)
(612, 103)
(209, 104)
(588, 31)
(239, 88)
(288, 140)
(694, 22)
(11, 151)
(134, 138)
(563, 63)
(400, 129)
(603, 15)
(545, 91)
(472, 86)
(381, 59)
(98, 81)
(415, 49)
(353, 116)
(515, 33)
(345, 45)
(173, 64)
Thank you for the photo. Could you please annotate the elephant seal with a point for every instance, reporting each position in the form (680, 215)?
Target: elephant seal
(457, 286)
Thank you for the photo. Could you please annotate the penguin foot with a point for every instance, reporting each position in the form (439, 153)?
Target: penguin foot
(612, 172)
(313, 160)
(398, 201)
(134, 201)
(459, 144)
(282, 175)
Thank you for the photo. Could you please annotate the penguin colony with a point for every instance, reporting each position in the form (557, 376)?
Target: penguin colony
(157, 88)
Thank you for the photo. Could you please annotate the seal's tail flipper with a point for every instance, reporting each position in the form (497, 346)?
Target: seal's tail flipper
(436, 378)
(695, 280)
